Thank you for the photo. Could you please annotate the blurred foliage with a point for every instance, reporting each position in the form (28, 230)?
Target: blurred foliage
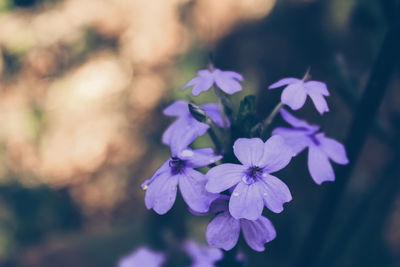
(31, 214)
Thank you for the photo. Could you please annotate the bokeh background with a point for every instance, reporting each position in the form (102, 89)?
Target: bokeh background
(82, 88)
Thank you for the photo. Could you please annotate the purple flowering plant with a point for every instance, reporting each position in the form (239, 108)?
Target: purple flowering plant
(237, 177)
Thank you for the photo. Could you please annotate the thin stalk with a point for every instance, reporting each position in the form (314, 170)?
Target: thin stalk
(307, 75)
(271, 116)
(214, 139)
(261, 127)
(221, 106)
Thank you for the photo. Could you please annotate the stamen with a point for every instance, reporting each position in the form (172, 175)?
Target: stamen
(176, 165)
(252, 174)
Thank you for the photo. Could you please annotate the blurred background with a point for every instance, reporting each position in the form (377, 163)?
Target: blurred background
(82, 88)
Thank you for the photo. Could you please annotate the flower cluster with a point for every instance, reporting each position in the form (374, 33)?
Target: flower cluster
(240, 182)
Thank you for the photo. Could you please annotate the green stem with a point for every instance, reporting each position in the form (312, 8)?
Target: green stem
(271, 116)
(215, 139)
(261, 127)
(221, 106)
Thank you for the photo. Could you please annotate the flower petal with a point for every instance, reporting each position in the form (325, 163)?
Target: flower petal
(142, 257)
(277, 154)
(184, 133)
(297, 140)
(333, 149)
(317, 87)
(214, 112)
(191, 83)
(297, 123)
(161, 193)
(204, 82)
(223, 231)
(177, 128)
(294, 95)
(292, 120)
(282, 82)
(234, 75)
(226, 81)
(202, 256)
(258, 232)
(164, 168)
(249, 151)
(192, 185)
(275, 192)
(246, 202)
(319, 165)
(199, 157)
(224, 176)
(202, 86)
(319, 102)
(220, 204)
(205, 73)
(178, 109)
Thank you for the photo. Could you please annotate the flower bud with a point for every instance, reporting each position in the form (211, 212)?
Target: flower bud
(198, 113)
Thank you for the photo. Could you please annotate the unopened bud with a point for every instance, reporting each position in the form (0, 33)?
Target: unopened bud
(198, 113)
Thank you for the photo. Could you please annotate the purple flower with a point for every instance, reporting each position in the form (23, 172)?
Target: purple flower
(227, 81)
(253, 185)
(186, 127)
(223, 231)
(202, 256)
(179, 169)
(295, 93)
(320, 147)
(142, 257)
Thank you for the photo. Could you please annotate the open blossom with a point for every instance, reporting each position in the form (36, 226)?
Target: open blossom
(321, 149)
(161, 189)
(253, 184)
(187, 127)
(295, 93)
(142, 257)
(227, 81)
(223, 231)
(202, 256)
